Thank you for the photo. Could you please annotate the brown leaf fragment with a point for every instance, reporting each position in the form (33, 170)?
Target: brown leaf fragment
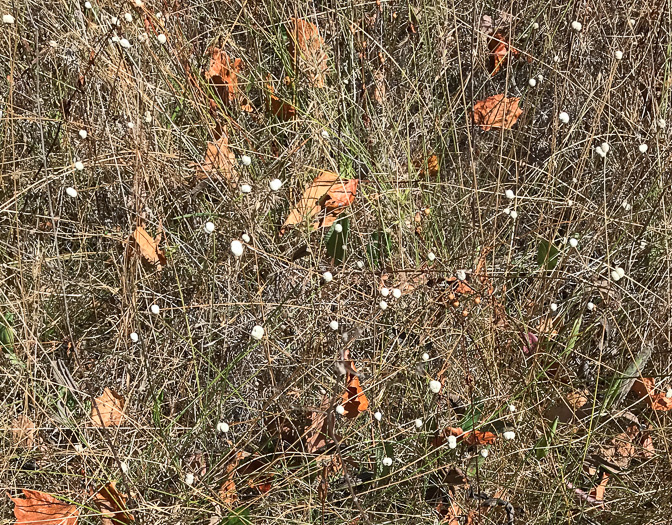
(219, 161)
(112, 505)
(321, 427)
(223, 75)
(328, 195)
(306, 47)
(23, 432)
(644, 387)
(497, 111)
(500, 50)
(281, 109)
(108, 409)
(148, 247)
(40, 508)
(354, 400)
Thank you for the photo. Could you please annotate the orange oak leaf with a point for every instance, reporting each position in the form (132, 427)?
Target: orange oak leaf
(112, 505)
(108, 409)
(644, 387)
(500, 50)
(219, 160)
(470, 437)
(354, 400)
(223, 75)
(306, 47)
(323, 200)
(281, 109)
(148, 247)
(497, 111)
(43, 509)
(23, 432)
(597, 493)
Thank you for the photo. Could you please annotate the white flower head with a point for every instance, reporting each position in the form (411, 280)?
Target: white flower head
(245, 237)
(418, 423)
(275, 184)
(189, 479)
(461, 275)
(668, 394)
(209, 227)
(126, 45)
(425, 356)
(643, 148)
(340, 410)
(563, 117)
(115, 39)
(237, 248)
(431, 256)
(532, 82)
(554, 307)
(540, 77)
(83, 134)
(577, 26)
(600, 151)
(71, 192)
(246, 160)
(618, 54)
(124, 466)
(148, 117)
(328, 277)
(620, 271)
(325, 134)
(128, 17)
(661, 123)
(246, 188)
(452, 441)
(161, 38)
(257, 332)
(378, 416)
(396, 293)
(333, 325)
(513, 214)
(382, 305)
(360, 264)
(509, 194)
(7, 19)
(384, 292)
(509, 435)
(506, 211)
(605, 147)
(338, 228)
(387, 461)
(53, 43)
(512, 408)
(435, 386)
(590, 306)
(535, 25)
(573, 242)
(626, 205)
(222, 427)
(134, 337)
(79, 165)
(155, 309)
(485, 452)
(87, 5)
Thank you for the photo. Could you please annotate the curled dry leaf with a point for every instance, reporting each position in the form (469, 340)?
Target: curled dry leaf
(354, 400)
(112, 505)
(428, 168)
(23, 432)
(42, 508)
(108, 409)
(569, 408)
(323, 200)
(223, 75)
(219, 161)
(147, 247)
(321, 427)
(645, 389)
(306, 47)
(500, 50)
(471, 437)
(597, 492)
(497, 111)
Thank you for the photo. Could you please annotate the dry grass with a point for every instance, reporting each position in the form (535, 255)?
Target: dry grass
(395, 95)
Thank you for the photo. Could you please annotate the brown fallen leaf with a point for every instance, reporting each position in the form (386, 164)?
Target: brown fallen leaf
(306, 47)
(321, 427)
(23, 432)
(112, 505)
(147, 246)
(569, 408)
(597, 493)
(108, 409)
(324, 199)
(354, 400)
(645, 388)
(500, 50)
(281, 109)
(219, 161)
(43, 509)
(470, 437)
(497, 111)
(428, 168)
(223, 75)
